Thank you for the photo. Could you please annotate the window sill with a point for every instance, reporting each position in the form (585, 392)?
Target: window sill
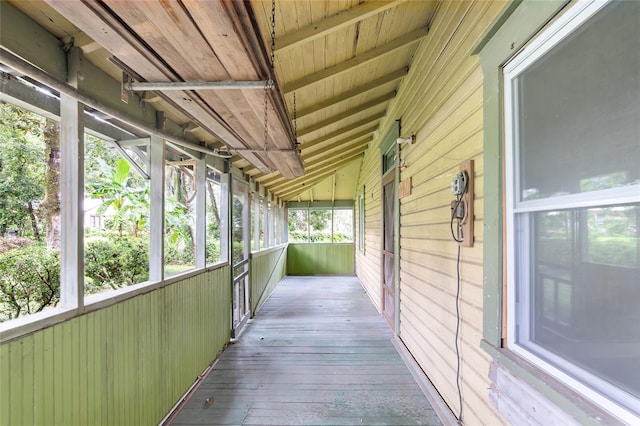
(552, 395)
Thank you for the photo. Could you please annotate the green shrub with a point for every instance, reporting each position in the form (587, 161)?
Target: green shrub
(178, 253)
(115, 262)
(213, 251)
(29, 281)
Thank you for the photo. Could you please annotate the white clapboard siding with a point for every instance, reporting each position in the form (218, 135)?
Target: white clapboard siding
(440, 101)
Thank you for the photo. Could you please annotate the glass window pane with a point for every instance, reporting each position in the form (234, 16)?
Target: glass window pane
(179, 245)
(239, 225)
(298, 226)
(320, 225)
(585, 290)
(213, 217)
(261, 217)
(116, 228)
(29, 213)
(578, 109)
(343, 226)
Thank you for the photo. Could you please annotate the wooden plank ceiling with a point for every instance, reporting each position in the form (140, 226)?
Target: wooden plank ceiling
(343, 60)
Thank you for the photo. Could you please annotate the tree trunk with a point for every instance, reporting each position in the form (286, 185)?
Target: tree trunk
(51, 205)
(34, 222)
(214, 205)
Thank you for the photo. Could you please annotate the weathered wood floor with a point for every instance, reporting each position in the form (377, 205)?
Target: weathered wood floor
(317, 353)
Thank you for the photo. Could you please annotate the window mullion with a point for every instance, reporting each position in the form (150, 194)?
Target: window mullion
(72, 190)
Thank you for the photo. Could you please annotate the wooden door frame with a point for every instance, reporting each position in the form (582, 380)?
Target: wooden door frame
(387, 145)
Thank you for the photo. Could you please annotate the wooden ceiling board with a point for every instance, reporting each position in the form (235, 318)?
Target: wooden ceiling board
(290, 192)
(46, 17)
(274, 180)
(319, 144)
(349, 115)
(328, 51)
(168, 30)
(335, 149)
(335, 187)
(316, 174)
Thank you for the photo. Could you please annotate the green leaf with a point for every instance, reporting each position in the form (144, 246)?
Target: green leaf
(122, 171)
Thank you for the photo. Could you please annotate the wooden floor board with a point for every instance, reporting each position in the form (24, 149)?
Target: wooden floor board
(317, 353)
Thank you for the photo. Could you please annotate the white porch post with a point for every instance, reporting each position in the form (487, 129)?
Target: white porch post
(72, 189)
(156, 215)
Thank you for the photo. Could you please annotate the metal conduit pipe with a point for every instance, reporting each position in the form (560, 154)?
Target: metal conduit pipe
(31, 71)
(200, 85)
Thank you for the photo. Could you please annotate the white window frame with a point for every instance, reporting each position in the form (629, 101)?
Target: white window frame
(519, 210)
(361, 219)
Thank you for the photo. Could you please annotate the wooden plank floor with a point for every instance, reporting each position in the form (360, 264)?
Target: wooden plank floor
(317, 353)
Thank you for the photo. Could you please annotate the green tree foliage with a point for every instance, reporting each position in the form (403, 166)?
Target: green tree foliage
(21, 169)
(29, 281)
(115, 263)
(118, 192)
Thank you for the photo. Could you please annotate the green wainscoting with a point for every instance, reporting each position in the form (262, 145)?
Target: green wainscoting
(126, 364)
(320, 259)
(268, 268)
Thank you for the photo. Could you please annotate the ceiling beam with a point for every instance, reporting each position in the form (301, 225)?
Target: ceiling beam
(317, 177)
(333, 23)
(341, 132)
(367, 120)
(330, 149)
(277, 179)
(358, 91)
(82, 41)
(348, 113)
(316, 167)
(266, 179)
(96, 20)
(314, 146)
(364, 58)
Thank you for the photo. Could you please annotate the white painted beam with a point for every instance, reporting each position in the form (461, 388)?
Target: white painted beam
(348, 113)
(366, 57)
(72, 190)
(201, 212)
(156, 214)
(334, 23)
(353, 93)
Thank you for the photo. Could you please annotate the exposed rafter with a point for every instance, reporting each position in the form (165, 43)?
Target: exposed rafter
(353, 93)
(334, 23)
(398, 43)
(311, 146)
(349, 113)
(336, 148)
(338, 118)
(323, 164)
(320, 144)
(316, 177)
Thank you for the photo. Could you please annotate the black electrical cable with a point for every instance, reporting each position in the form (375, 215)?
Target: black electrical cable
(453, 216)
(457, 336)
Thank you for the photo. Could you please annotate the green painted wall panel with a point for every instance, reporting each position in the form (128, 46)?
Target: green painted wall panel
(126, 364)
(268, 268)
(320, 259)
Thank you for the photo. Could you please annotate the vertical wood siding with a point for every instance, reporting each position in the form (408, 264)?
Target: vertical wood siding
(320, 259)
(440, 101)
(268, 268)
(123, 365)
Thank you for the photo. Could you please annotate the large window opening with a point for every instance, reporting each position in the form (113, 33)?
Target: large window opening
(29, 213)
(321, 223)
(116, 212)
(180, 196)
(572, 108)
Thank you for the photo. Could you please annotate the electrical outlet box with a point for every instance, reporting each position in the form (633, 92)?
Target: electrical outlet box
(457, 209)
(467, 197)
